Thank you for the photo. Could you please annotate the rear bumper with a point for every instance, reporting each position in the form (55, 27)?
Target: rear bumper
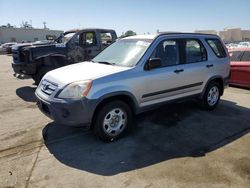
(72, 113)
(226, 80)
(24, 68)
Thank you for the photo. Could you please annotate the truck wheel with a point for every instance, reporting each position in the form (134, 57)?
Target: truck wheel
(211, 96)
(112, 120)
(39, 75)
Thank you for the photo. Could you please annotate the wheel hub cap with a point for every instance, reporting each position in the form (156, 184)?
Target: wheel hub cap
(213, 96)
(115, 121)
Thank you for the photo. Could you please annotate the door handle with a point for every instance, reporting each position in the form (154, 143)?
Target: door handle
(210, 65)
(178, 71)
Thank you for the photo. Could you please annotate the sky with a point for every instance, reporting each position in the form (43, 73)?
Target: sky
(141, 16)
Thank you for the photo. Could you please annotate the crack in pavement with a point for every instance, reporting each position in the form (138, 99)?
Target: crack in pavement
(32, 168)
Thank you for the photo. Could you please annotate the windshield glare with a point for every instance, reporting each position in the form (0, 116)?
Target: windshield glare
(125, 52)
(65, 38)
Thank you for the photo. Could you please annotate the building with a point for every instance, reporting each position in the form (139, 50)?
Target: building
(246, 35)
(27, 34)
(229, 34)
(214, 32)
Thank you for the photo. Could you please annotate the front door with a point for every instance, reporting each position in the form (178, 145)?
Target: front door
(90, 44)
(84, 46)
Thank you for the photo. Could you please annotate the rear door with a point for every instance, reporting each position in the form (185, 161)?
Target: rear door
(107, 37)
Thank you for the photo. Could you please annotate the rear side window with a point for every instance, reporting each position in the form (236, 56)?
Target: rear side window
(194, 51)
(246, 56)
(235, 55)
(217, 47)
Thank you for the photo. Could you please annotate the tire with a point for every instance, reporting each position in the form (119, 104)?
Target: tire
(112, 120)
(39, 75)
(211, 96)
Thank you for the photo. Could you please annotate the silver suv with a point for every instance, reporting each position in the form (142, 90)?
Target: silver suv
(133, 75)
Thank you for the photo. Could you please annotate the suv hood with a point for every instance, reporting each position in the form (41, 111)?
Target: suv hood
(81, 71)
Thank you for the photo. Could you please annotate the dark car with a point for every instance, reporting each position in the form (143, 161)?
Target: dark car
(240, 67)
(71, 47)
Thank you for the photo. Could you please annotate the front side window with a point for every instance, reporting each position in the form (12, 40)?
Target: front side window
(64, 38)
(168, 52)
(194, 51)
(88, 39)
(217, 47)
(125, 52)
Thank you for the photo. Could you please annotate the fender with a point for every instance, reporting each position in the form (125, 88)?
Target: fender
(117, 94)
(209, 80)
(48, 59)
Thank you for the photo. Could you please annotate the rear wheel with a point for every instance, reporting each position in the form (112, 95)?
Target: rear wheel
(211, 96)
(112, 120)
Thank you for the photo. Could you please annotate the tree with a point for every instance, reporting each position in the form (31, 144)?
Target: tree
(128, 33)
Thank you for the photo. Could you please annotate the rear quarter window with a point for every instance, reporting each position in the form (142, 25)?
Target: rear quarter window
(217, 47)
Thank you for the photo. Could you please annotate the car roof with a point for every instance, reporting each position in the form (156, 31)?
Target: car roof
(86, 29)
(153, 36)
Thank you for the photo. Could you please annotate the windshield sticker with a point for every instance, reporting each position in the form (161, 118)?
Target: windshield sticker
(61, 45)
(142, 43)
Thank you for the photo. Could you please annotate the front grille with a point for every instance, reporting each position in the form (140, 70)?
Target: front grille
(48, 87)
(24, 56)
(15, 56)
(20, 56)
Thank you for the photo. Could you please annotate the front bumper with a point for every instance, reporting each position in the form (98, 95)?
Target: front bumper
(24, 68)
(71, 113)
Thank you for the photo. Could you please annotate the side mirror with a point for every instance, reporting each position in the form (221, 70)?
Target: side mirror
(153, 63)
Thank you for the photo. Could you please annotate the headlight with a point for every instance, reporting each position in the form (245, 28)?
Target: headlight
(76, 90)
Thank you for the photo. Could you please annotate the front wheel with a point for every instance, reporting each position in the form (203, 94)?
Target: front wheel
(211, 96)
(112, 120)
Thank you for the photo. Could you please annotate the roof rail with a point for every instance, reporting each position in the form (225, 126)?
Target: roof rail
(178, 33)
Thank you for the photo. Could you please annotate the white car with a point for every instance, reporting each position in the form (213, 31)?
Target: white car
(244, 45)
(3, 47)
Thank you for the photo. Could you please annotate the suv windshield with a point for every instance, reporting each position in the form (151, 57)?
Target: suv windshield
(125, 52)
(64, 38)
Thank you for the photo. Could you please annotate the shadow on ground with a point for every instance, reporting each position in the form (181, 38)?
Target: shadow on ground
(174, 131)
(27, 93)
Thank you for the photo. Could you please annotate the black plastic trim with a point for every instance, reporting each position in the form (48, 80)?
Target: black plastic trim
(171, 90)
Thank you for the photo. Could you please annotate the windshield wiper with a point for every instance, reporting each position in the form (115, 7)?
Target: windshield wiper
(104, 62)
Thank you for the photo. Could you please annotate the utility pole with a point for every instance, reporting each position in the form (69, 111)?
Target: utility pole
(44, 25)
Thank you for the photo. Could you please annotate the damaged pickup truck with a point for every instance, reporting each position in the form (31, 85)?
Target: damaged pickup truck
(71, 47)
